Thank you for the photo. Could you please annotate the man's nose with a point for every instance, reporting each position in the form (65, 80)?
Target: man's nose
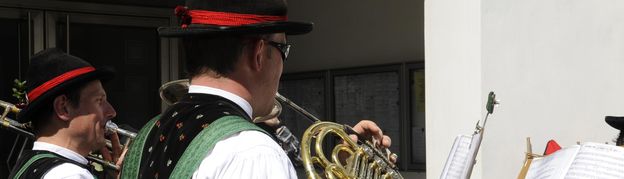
(110, 111)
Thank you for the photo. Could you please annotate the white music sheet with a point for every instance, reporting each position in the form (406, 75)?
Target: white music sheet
(456, 163)
(597, 161)
(554, 165)
(472, 154)
(589, 160)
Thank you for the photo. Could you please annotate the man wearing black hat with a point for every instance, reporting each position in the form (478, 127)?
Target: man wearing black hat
(68, 111)
(235, 52)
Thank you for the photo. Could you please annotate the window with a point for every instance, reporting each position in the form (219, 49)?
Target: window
(390, 95)
(417, 116)
(307, 91)
(371, 96)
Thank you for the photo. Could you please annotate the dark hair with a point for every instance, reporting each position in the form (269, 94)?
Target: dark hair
(212, 54)
(218, 54)
(47, 108)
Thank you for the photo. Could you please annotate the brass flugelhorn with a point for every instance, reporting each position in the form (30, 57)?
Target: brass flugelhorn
(171, 92)
(364, 160)
(24, 129)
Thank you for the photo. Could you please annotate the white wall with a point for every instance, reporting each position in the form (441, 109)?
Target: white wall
(452, 76)
(557, 66)
(356, 33)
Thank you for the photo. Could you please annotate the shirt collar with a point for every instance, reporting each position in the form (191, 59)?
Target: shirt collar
(60, 151)
(225, 94)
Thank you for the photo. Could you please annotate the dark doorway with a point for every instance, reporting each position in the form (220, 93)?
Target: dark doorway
(134, 54)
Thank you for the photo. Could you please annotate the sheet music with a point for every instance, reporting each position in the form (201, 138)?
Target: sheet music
(472, 154)
(554, 165)
(456, 161)
(596, 160)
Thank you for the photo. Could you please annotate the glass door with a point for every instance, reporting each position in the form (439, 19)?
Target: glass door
(130, 45)
(17, 41)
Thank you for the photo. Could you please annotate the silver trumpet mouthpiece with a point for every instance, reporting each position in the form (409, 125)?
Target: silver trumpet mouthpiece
(112, 127)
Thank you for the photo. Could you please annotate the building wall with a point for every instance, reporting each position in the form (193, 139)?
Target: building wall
(556, 66)
(356, 33)
(452, 76)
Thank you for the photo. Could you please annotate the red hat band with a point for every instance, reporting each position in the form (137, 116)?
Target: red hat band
(223, 18)
(39, 90)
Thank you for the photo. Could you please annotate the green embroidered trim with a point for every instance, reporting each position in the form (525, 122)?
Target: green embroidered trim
(206, 140)
(31, 161)
(132, 161)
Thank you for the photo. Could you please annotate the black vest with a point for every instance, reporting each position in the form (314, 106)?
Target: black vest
(40, 167)
(176, 128)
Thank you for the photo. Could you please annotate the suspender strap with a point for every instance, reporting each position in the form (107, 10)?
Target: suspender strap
(37, 163)
(205, 141)
(30, 162)
(132, 160)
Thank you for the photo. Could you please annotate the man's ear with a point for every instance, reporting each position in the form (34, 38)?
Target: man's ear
(61, 107)
(258, 55)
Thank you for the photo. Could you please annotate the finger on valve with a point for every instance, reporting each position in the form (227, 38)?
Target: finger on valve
(116, 147)
(386, 141)
(368, 128)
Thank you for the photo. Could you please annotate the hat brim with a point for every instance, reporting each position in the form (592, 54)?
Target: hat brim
(103, 74)
(288, 27)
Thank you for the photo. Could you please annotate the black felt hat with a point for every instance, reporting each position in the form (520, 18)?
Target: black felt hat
(233, 17)
(50, 73)
(615, 122)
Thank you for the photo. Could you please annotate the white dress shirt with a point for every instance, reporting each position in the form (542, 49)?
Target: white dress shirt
(66, 170)
(247, 154)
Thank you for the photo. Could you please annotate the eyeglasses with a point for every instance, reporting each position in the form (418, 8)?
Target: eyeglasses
(282, 47)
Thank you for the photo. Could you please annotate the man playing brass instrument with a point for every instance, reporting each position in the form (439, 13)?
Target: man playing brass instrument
(68, 111)
(235, 53)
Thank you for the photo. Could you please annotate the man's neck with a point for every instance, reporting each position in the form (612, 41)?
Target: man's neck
(223, 83)
(66, 142)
